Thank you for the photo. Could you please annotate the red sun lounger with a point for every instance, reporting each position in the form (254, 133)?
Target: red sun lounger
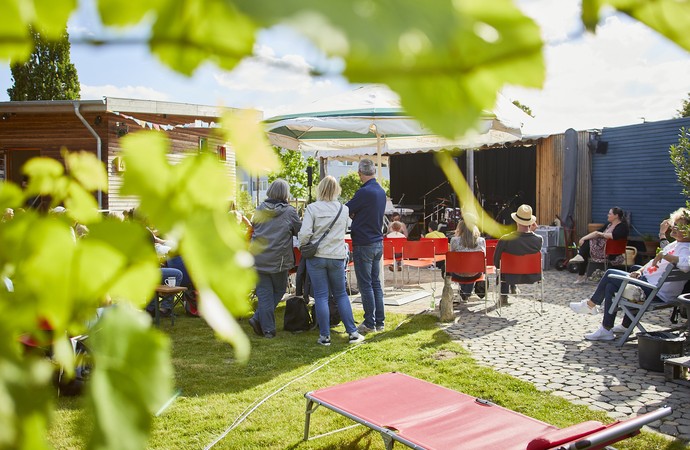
(423, 415)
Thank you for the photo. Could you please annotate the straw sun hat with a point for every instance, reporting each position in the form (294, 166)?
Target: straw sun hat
(524, 215)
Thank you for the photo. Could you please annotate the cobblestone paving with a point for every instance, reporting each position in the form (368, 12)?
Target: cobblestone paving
(549, 351)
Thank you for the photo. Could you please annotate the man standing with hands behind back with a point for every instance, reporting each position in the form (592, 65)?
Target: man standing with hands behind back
(367, 209)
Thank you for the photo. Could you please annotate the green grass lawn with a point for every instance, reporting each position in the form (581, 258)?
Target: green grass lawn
(217, 392)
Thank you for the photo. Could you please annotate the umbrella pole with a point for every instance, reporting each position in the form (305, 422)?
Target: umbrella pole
(379, 178)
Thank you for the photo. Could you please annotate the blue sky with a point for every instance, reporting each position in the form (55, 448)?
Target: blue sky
(624, 74)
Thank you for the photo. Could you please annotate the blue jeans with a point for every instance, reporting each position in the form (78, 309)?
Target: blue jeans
(328, 275)
(368, 270)
(604, 293)
(269, 291)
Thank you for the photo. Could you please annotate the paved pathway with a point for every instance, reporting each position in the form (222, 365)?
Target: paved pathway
(549, 351)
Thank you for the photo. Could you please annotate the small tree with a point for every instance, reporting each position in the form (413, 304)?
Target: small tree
(48, 74)
(350, 183)
(294, 171)
(680, 158)
(684, 110)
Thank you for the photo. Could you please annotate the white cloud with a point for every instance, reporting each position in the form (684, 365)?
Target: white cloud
(622, 73)
(109, 90)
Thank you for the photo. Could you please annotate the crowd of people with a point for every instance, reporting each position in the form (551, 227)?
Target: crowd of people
(325, 224)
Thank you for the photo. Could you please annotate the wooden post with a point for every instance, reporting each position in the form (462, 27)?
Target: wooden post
(446, 306)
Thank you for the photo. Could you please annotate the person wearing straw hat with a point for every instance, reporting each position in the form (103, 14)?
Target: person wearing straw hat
(520, 242)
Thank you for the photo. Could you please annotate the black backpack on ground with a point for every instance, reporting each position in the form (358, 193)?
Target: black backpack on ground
(297, 316)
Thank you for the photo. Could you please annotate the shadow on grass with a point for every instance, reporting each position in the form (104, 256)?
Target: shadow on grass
(204, 365)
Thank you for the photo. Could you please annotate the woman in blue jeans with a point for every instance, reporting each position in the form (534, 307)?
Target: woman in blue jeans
(676, 253)
(327, 268)
(274, 224)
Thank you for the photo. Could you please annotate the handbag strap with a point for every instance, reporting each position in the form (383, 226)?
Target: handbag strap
(330, 226)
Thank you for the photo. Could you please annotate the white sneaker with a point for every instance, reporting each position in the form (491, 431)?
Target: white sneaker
(576, 259)
(619, 329)
(580, 280)
(602, 334)
(582, 307)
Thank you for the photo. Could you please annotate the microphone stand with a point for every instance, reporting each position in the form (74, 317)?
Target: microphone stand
(427, 194)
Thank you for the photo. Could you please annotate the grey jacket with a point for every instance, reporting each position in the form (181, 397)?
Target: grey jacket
(275, 223)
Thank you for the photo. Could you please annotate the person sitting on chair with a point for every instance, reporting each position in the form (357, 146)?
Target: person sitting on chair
(433, 231)
(395, 217)
(520, 242)
(467, 239)
(677, 253)
(593, 245)
(395, 230)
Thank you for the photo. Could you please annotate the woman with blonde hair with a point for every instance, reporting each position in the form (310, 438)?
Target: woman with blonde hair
(467, 239)
(325, 222)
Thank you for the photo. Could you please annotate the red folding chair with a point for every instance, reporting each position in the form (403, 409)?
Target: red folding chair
(615, 247)
(521, 265)
(292, 282)
(440, 247)
(490, 251)
(468, 262)
(419, 254)
(391, 247)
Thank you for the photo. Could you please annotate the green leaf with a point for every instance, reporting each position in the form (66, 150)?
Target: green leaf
(466, 50)
(85, 168)
(590, 14)
(188, 33)
(15, 39)
(117, 258)
(52, 15)
(26, 400)
(225, 326)
(10, 196)
(115, 13)
(132, 378)
(214, 250)
(671, 18)
(81, 205)
(43, 174)
(250, 144)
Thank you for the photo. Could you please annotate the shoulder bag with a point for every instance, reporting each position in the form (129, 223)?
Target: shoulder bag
(308, 250)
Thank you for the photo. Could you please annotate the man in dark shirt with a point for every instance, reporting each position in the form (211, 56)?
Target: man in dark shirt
(367, 209)
(520, 242)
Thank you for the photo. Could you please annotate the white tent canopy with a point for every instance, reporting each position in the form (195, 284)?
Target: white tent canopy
(370, 121)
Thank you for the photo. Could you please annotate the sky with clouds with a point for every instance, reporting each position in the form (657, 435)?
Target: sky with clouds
(623, 74)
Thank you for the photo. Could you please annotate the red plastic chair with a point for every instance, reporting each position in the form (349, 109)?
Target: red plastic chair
(440, 247)
(468, 262)
(615, 247)
(490, 251)
(530, 264)
(391, 247)
(418, 254)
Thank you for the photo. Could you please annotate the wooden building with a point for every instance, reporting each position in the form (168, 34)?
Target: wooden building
(43, 128)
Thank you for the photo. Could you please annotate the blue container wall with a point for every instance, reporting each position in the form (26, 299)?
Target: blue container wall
(636, 174)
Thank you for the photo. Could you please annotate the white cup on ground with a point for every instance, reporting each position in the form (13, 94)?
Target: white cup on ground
(170, 281)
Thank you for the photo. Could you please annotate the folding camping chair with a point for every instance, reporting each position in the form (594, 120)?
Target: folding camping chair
(468, 262)
(635, 310)
(423, 415)
(530, 264)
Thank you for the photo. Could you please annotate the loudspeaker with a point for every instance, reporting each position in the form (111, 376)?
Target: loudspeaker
(602, 147)
(310, 176)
